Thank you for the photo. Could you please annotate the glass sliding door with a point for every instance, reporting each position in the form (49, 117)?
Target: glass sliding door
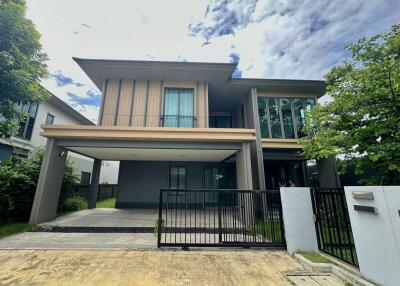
(275, 118)
(185, 107)
(177, 178)
(218, 177)
(178, 107)
(211, 183)
(299, 116)
(263, 114)
(287, 118)
(171, 107)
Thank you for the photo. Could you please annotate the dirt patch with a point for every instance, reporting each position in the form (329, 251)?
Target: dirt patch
(85, 267)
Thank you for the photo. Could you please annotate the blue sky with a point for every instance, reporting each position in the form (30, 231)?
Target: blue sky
(297, 39)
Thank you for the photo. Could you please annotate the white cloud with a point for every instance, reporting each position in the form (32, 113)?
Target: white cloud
(273, 38)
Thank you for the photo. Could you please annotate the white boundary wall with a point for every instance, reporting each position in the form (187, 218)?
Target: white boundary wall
(298, 220)
(377, 236)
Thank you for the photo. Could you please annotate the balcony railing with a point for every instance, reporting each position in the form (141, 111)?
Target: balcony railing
(177, 121)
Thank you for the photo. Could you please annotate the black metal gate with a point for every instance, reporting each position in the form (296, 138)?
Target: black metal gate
(332, 224)
(222, 218)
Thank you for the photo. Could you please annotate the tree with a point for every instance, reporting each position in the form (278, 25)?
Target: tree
(22, 64)
(18, 179)
(361, 125)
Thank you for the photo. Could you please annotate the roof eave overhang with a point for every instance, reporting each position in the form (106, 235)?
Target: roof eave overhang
(100, 69)
(317, 87)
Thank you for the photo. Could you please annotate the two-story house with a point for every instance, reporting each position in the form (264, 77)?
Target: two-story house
(184, 125)
(28, 140)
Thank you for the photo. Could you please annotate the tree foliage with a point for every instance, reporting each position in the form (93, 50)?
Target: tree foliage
(22, 64)
(18, 179)
(361, 125)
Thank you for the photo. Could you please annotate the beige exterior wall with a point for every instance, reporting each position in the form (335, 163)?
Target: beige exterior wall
(139, 103)
(125, 103)
(110, 102)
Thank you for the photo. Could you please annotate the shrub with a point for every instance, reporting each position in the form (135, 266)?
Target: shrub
(74, 203)
(18, 179)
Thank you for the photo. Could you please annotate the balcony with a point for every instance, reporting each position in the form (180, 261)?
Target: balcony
(185, 121)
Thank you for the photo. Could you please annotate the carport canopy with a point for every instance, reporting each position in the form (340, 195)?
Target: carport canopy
(133, 143)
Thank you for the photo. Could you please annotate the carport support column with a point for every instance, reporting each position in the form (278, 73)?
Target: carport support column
(243, 168)
(94, 184)
(48, 187)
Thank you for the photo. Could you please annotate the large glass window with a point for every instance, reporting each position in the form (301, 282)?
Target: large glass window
(283, 117)
(26, 125)
(274, 118)
(178, 107)
(263, 114)
(287, 119)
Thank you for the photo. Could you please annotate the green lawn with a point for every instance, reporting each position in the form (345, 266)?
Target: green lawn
(15, 227)
(269, 229)
(316, 257)
(108, 203)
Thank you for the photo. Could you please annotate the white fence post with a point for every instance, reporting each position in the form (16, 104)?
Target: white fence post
(376, 234)
(298, 220)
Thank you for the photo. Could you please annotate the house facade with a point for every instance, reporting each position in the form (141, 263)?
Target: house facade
(28, 139)
(182, 125)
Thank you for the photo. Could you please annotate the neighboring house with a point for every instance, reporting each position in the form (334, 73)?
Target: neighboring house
(185, 125)
(28, 138)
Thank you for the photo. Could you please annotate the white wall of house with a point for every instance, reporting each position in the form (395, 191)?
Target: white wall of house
(81, 163)
(377, 235)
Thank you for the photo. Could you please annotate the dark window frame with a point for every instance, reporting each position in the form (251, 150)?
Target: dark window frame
(163, 116)
(49, 115)
(25, 135)
(82, 177)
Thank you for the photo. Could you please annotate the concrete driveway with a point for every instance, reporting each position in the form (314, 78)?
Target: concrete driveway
(107, 217)
(83, 267)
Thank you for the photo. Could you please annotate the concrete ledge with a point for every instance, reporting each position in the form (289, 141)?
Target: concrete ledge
(312, 266)
(133, 205)
(336, 270)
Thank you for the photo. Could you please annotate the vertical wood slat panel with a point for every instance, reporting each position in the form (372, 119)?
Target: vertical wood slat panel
(139, 103)
(206, 107)
(110, 103)
(153, 104)
(125, 103)
(201, 100)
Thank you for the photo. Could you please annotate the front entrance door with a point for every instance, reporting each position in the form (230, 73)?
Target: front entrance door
(218, 177)
(282, 171)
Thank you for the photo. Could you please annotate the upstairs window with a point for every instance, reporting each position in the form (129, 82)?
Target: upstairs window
(49, 119)
(178, 107)
(26, 125)
(283, 117)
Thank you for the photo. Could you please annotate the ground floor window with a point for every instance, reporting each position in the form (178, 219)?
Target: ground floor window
(85, 178)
